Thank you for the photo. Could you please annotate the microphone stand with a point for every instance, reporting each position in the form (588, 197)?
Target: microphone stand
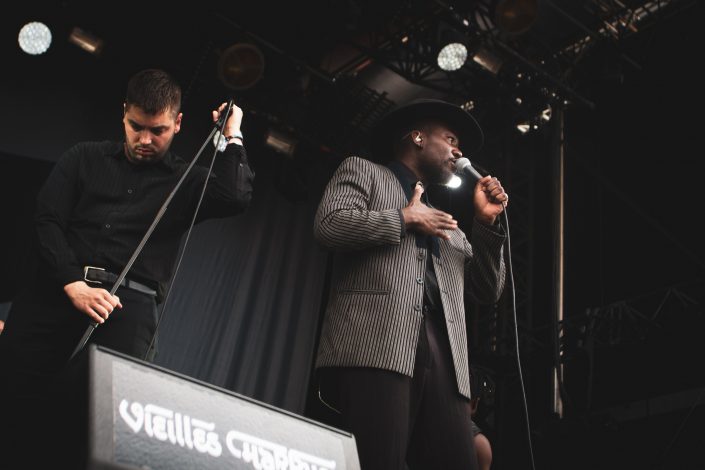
(220, 123)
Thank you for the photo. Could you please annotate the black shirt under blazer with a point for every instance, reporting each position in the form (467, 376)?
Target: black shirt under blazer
(374, 313)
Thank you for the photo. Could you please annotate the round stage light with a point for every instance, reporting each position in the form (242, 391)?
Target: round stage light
(34, 38)
(452, 56)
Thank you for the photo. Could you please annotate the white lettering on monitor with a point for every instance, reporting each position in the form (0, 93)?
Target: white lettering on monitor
(166, 425)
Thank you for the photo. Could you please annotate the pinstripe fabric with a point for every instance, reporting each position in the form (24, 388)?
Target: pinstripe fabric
(374, 312)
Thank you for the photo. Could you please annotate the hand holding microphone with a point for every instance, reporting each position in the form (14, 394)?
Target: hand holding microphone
(490, 199)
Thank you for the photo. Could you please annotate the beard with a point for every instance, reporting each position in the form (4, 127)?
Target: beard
(141, 154)
(436, 173)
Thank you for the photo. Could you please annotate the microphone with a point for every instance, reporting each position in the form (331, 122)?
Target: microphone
(464, 167)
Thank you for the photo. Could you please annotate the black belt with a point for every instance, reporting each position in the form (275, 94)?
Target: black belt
(99, 276)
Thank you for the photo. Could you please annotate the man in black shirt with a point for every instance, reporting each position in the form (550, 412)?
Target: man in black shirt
(91, 214)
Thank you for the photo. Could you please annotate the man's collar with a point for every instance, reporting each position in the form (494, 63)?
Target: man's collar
(408, 180)
(406, 177)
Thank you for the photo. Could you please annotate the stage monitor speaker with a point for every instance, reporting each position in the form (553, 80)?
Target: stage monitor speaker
(145, 417)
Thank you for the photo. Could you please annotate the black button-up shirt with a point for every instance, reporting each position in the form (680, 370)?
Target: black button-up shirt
(432, 294)
(96, 206)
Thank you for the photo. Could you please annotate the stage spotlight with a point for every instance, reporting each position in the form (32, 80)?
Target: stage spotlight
(34, 38)
(523, 127)
(452, 56)
(487, 60)
(546, 113)
(468, 105)
(516, 16)
(86, 41)
(281, 142)
(241, 66)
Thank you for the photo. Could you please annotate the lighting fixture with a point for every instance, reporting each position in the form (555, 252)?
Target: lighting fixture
(452, 56)
(34, 38)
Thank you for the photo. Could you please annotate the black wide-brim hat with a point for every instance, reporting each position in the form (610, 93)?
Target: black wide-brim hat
(395, 124)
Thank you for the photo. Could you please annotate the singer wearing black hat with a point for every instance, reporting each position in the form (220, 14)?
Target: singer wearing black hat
(393, 358)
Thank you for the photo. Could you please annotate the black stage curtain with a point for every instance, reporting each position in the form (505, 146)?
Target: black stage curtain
(244, 309)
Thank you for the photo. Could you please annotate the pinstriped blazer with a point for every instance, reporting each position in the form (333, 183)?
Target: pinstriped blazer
(374, 312)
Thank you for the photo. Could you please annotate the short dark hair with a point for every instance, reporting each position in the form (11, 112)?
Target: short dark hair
(154, 91)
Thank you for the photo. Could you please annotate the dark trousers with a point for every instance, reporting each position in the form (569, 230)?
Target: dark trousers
(44, 396)
(420, 421)
(43, 329)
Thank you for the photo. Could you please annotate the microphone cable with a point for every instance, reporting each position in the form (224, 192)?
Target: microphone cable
(472, 171)
(510, 275)
(190, 228)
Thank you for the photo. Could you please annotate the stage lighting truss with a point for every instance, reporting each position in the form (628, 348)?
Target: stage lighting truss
(618, 22)
(535, 121)
(462, 55)
(629, 321)
(533, 109)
